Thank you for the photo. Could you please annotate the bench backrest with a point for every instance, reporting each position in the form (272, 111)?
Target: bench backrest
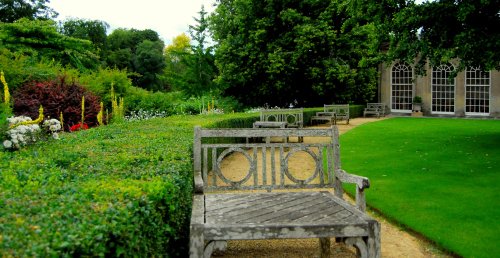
(341, 110)
(266, 166)
(293, 116)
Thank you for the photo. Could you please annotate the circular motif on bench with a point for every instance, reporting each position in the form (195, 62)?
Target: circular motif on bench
(290, 174)
(245, 177)
(291, 119)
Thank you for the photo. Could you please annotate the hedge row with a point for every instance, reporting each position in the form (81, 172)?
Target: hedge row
(119, 190)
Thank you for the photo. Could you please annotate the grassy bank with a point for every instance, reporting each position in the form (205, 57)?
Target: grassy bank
(435, 176)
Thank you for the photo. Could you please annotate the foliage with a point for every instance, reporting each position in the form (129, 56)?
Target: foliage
(40, 39)
(99, 82)
(5, 112)
(12, 10)
(140, 52)
(275, 52)
(56, 96)
(176, 56)
(432, 176)
(92, 30)
(123, 189)
(437, 31)
(201, 66)
(149, 62)
(20, 68)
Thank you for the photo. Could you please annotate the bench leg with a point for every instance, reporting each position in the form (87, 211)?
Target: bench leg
(359, 243)
(374, 246)
(324, 247)
(196, 243)
(214, 246)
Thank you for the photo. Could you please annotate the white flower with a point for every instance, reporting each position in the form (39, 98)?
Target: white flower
(55, 136)
(7, 144)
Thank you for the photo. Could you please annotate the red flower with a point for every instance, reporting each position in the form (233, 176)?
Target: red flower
(79, 127)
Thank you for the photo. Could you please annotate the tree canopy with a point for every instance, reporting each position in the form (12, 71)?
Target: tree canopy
(138, 51)
(435, 32)
(40, 39)
(12, 10)
(276, 52)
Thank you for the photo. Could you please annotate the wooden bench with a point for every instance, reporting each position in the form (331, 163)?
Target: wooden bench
(294, 117)
(333, 113)
(377, 109)
(261, 201)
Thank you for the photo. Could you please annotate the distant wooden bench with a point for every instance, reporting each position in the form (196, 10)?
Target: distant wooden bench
(333, 113)
(257, 202)
(377, 109)
(294, 117)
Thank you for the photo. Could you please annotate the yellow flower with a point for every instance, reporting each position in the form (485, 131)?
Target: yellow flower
(100, 114)
(83, 109)
(6, 94)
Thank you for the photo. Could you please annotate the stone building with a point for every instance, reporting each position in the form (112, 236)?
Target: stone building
(472, 93)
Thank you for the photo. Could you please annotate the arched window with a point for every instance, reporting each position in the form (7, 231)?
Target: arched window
(443, 90)
(477, 91)
(401, 87)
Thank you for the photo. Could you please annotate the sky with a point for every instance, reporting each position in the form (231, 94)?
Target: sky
(169, 18)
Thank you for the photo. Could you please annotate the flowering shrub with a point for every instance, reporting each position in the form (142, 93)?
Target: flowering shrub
(78, 127)
(212, 111)
(144, 115)
(52, 127)
(21, 135)
(23, 132)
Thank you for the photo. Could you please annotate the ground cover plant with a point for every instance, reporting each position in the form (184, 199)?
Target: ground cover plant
(121, 189)
(434, 176)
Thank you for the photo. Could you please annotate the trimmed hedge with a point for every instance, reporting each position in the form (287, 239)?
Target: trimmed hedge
(119, 190)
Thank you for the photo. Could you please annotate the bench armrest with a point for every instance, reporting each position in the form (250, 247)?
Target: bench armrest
(198, 182)
(361, 183)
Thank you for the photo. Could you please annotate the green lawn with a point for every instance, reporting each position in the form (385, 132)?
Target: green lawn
(439, 177)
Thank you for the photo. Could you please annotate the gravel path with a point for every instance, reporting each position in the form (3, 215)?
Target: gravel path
(395, 242)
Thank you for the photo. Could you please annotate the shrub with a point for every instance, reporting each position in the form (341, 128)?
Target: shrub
(57, 96)
(5, 112)
(99, 82)
(20, 69)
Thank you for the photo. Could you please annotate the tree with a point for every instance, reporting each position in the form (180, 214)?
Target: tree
(176, 59)
(40, 39)
(202, 65)
(138, 51)
(279, 51)
(149, 63)
(444, 30)
(436, 32)
(93, 30)
(12, 10)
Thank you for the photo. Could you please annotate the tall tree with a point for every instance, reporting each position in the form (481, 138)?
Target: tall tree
(202, 67)
(177, 55)
(279, 51)
(12, 10)
(149, 63)
(93, 30)
(138, 51)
